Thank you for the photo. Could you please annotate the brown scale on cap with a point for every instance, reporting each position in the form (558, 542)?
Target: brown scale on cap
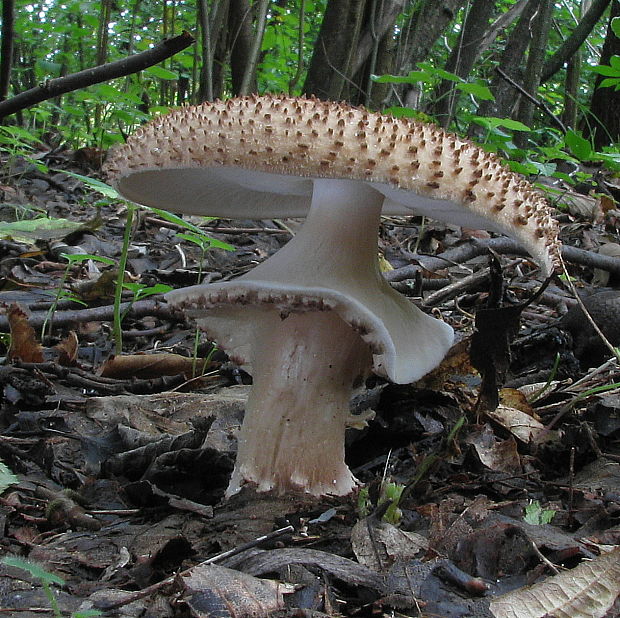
(317, 139)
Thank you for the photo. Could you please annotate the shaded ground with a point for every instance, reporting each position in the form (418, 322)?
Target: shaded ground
(122, 463)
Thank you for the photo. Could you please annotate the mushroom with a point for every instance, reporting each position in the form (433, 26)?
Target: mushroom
(313, 320)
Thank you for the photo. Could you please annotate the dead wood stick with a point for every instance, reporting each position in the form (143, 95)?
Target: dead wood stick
(94, 314)
(95, 75)
(533, 99)
(502, 245)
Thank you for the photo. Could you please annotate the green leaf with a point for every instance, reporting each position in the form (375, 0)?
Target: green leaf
(414, 77)
(606, 70)
(95, 185)
(7, 478)
(578, 145)
(38, 229)
(536, 515)
(161, 73)
(477, 90)
(615, 26)
(83, 257)
(492, 123)
(34, 569)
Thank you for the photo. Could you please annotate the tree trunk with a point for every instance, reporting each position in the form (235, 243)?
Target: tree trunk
(6, 53)
(240, 42)
(573, 78)
(575, 40)
(426, 25)
(604, 117)
(330, 66)
(374, 54)
(462, 58)
(535, 60)
(510, 63)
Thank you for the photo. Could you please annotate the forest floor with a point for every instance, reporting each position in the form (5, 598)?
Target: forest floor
(121, 462)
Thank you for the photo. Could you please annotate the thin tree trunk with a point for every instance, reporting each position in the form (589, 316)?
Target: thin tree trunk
(419, 35)
(510, 63)
(240, 41)
(531, 81)
(573, 76)
(6, 50)
(330, 67)
(205, 88)
(575, 40)
(462, 58)
(248, 82)
(604, 118)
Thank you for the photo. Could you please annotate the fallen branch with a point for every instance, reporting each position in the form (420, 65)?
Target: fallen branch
(94, 314)
(502, 245)
(96, 75)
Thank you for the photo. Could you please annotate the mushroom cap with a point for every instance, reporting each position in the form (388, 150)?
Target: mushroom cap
(255, 157)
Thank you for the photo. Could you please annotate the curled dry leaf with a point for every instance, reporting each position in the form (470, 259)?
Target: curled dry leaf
(68, 349)
(587, 591)
(24, 344)
(147, 366)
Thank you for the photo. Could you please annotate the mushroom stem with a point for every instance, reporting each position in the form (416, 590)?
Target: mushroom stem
(292, 436)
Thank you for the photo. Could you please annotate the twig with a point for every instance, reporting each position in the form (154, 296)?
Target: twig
(502, 245)
(95, 75)
(140, 594)
(533, 99)
(95, 314)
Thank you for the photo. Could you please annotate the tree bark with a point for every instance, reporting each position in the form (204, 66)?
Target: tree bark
(6, 51)
(575, 40)
(462, 58)
(420, 33)
(330, 66)
(240, 42)
(604, 121)
(541, 26)
(510, 63)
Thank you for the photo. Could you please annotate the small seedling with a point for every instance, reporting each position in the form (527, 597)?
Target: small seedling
(62, 293)
(47, 580)
(536, 515)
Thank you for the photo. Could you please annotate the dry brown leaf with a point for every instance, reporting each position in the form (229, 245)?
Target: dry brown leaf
(497, 455)
(68, 349)
(212, 590)
(521, 425)
(587, 591)
(24, 345)
(147, 366)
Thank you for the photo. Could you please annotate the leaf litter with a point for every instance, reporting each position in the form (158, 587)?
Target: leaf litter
(114, 467)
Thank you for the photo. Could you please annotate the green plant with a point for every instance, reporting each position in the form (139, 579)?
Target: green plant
(537, 516)
(7, 478)
(61, 293)
(47, 580)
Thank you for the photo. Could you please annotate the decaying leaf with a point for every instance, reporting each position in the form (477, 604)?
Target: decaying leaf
(68, 349)
(378, 544)
(212, 590)
(587, 591)
(147, 366)
(497, 455)
(24, 344)
(522, 426)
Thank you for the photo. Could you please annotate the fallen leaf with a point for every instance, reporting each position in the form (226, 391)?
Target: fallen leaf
(24, 345)
(587, 591)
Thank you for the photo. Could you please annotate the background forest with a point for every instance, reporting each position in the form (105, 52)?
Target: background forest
(536, 80)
